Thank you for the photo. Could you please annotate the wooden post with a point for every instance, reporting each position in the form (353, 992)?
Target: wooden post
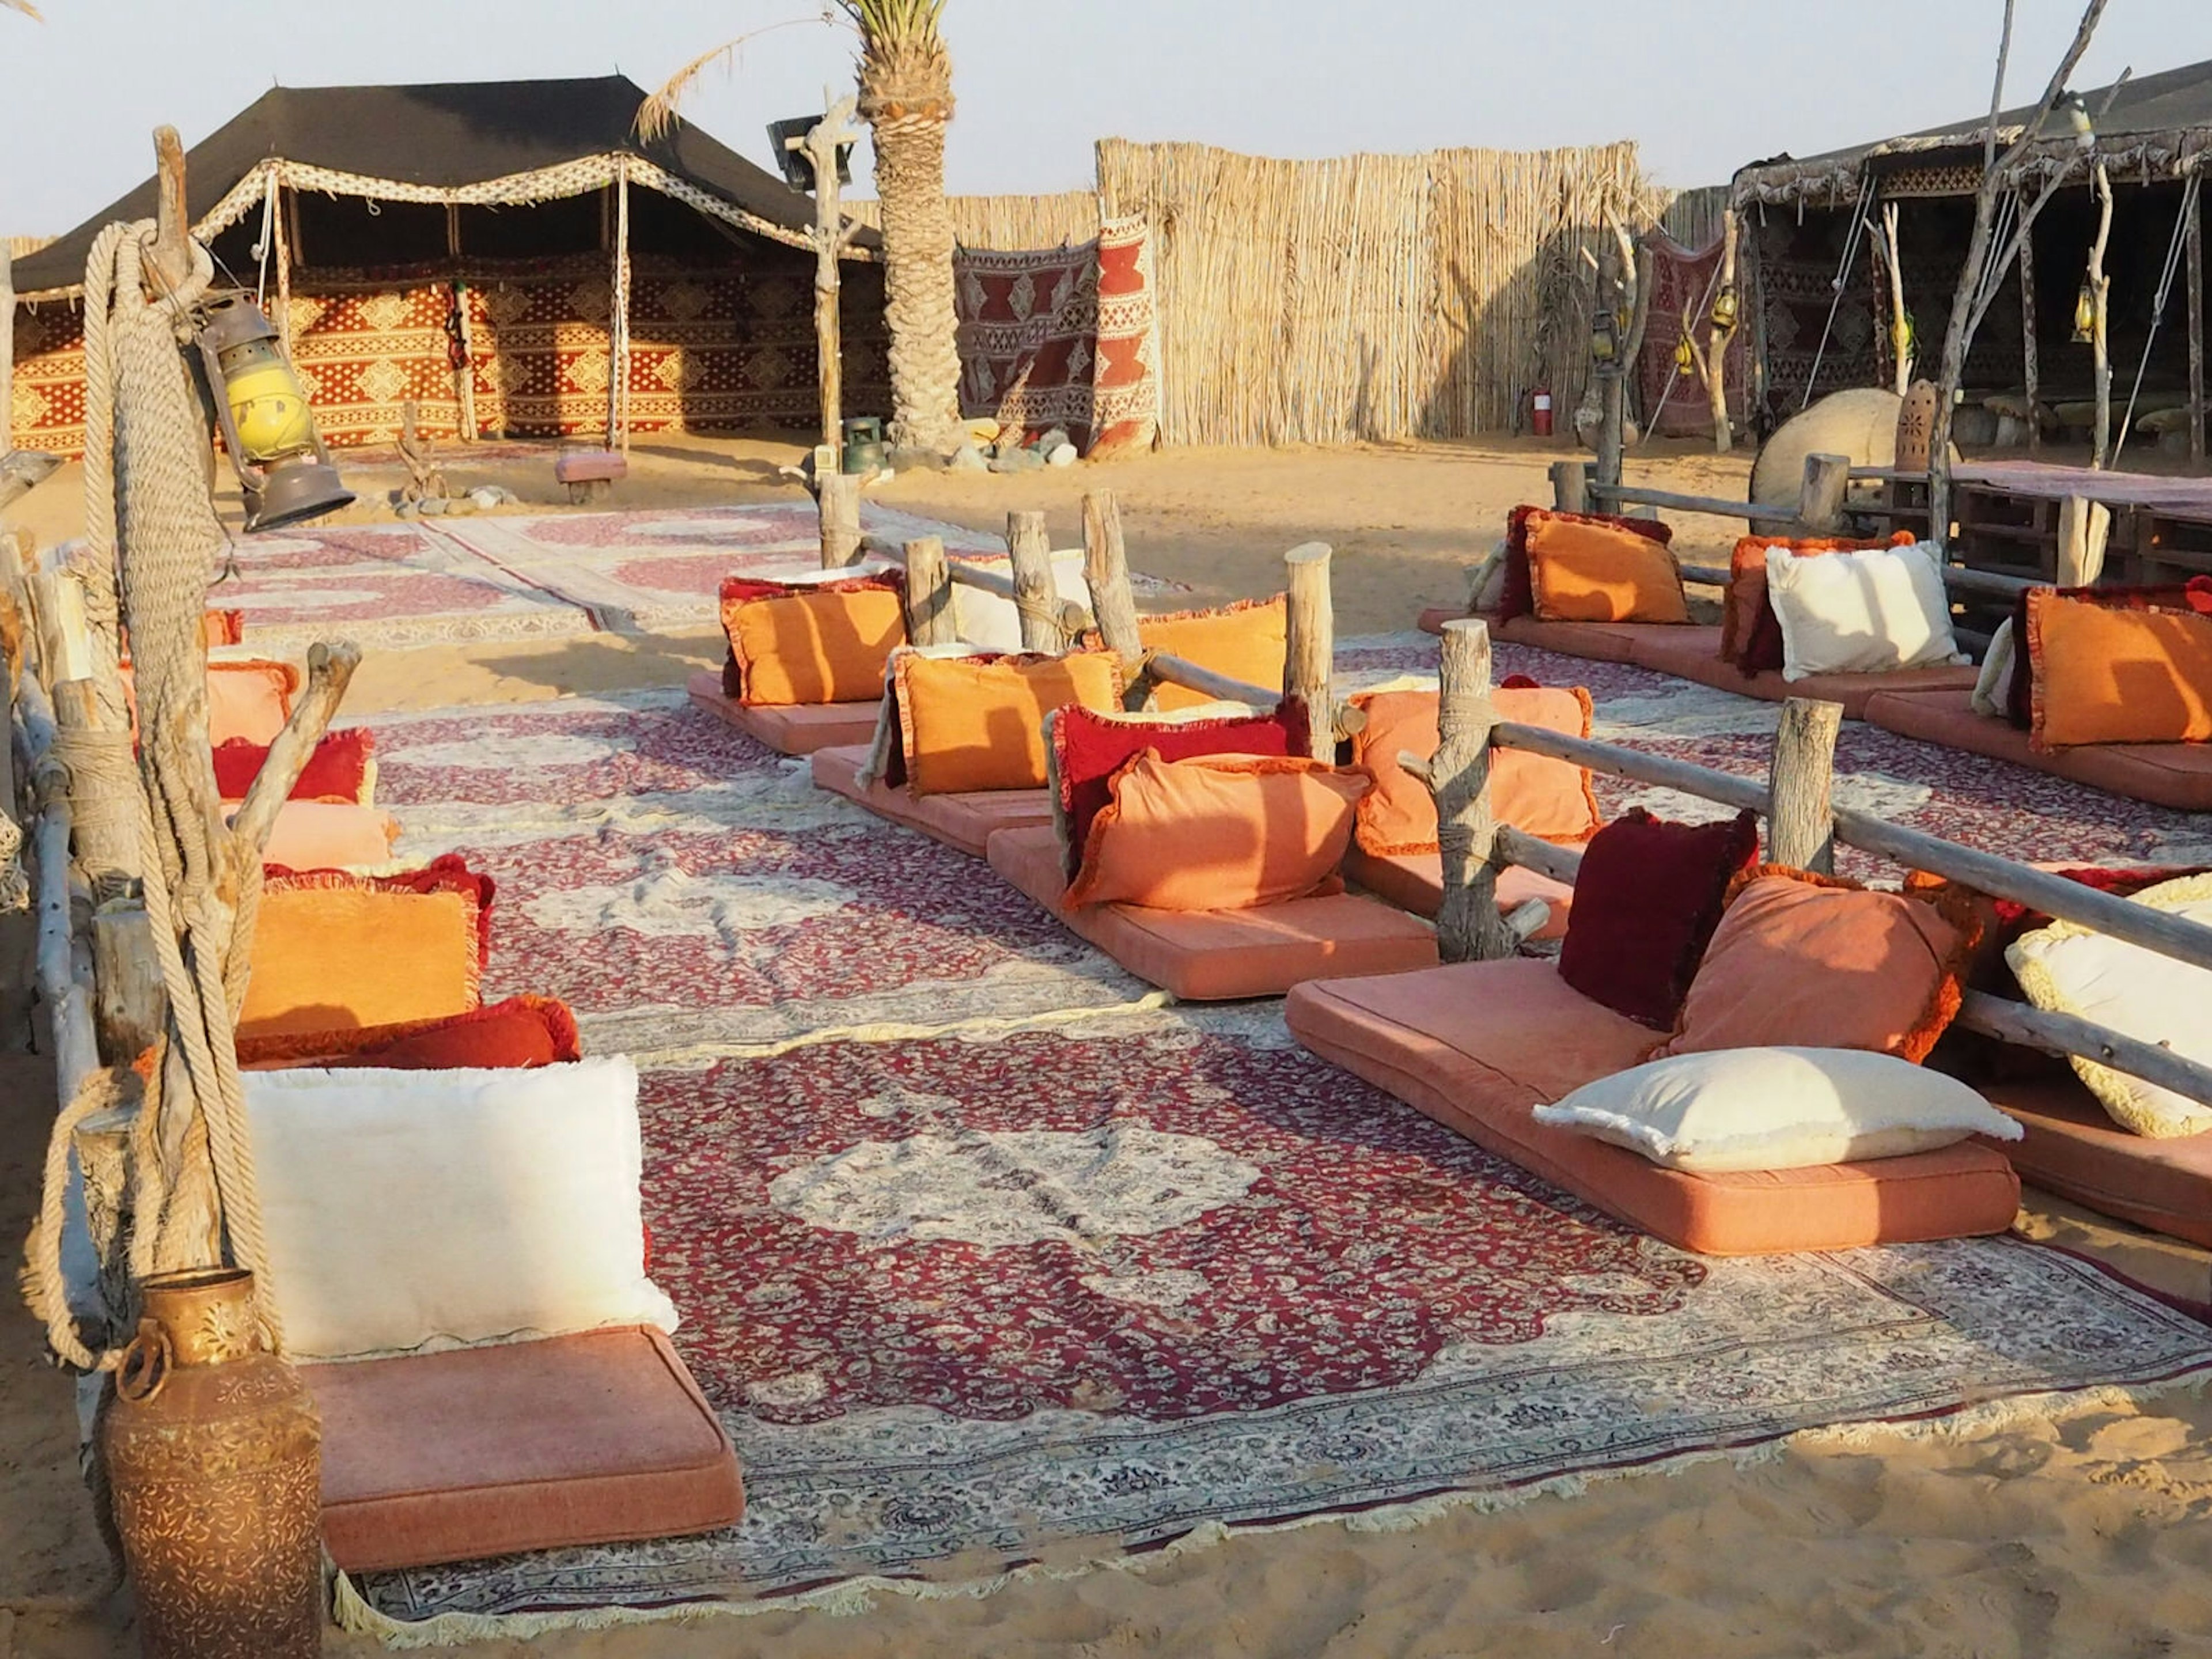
(103, 1157)
(838, 498)
(1901, 325)
(130, 1004)
(618, 319)
(2084, 528)
(7, 352)
(2195, 249)
(64, 638)
(929, 593)
(1036, 591)
(103, 798)
(1309, 661)
(822, 142)
(1468, 927)
(1821, 497)
(1716, 344)
(2100, 297)
(1801, 826)
(1106, 571)
(1570, 486)
(171, 263)
(2028, 345)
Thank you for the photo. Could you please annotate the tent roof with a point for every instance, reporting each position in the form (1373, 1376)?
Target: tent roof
(440, 137)
(2169, 105)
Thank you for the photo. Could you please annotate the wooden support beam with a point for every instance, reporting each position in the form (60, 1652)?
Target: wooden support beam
(1657, 770)
(64, 638)
(2084, 529)
(1167, 669)
(1801, 830)
(1518, 847)
(2068, 1034)
(1821, 496)
(69, 1011)
(929, 593)
(1310, 660)
(1036, 591)
(1571, 483)
(838, 503)
(1106, 571)
(103, 790)
(169, 265)
(1468, 927)
(2195, 242)
(131, 1004)
(330, 671)
(2031, 366)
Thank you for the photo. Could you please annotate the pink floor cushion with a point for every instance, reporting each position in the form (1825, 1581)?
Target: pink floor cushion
(965, 821)
(1478, 1046)
(797, 729)
(2175, 774)
(1592, 641)
(1693, 653)
(1415, 882)
(2073, 1148)
(1212, 955)
(1433, 619)
(596, 1438)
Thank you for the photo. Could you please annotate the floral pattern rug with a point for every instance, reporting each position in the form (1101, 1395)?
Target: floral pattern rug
(985, 1257)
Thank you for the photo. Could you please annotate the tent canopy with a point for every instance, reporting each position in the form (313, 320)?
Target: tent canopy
(508, 141)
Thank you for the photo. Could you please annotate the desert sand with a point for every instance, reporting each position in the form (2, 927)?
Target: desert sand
(2080, 1533)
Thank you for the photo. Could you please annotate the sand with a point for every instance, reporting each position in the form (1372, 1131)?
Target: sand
(2087, 1535)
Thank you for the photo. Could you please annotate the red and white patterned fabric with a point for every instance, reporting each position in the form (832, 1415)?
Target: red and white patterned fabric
(1064, 337)
(1679, 279)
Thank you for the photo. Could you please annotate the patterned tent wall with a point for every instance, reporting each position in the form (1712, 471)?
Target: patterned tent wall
(713, 348)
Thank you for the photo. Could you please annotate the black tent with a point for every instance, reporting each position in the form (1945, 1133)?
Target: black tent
(1819, 307)
(512, 256)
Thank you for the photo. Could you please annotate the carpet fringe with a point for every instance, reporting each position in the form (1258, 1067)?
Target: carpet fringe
(852, 1597)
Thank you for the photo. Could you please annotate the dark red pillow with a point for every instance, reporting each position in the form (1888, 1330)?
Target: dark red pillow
(446, 874)
(1517, 596)
(1647, 898)
(2195, 594)
(514, 1035)
(338, 770)
(1089, 748)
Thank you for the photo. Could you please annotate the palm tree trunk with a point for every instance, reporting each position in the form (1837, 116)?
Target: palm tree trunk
(917, 229)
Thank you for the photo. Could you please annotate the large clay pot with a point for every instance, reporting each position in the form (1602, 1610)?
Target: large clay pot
(214, 1455)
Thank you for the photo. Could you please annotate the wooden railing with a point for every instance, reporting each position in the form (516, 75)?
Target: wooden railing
(1803, 826)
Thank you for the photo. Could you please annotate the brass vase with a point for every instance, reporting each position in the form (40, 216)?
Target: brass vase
(214, 1454)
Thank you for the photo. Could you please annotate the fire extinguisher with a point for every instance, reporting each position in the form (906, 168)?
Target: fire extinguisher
(1539, 411)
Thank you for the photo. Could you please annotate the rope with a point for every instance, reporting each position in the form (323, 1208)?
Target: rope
(45, 1286)
(2189, 195)
(1843, 271)
(103, 798)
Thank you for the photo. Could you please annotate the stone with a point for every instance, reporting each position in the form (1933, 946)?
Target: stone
(1053, 438)
(968, 458)
(909, 458)
(1061, 455)
(1018, 460)
(431, 507)
(488, 497)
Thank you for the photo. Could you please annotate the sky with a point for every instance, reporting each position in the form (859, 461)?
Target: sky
(1704, 85)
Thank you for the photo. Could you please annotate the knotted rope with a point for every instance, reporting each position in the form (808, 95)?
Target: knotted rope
(150, 515)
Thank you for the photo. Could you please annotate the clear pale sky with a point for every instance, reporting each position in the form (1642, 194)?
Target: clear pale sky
(1703, 85)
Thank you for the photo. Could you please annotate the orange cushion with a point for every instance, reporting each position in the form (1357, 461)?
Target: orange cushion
(1219, 832)
(2118, 676)
(1246, 642)
(1585, 572)
(1534, 793)
(335, 952)
(823, 644)
(324, 834)
(978, 723)
(1807, 961)
(249, 700)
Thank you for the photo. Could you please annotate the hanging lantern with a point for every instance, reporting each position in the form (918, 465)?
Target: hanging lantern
(1724, 309)
(268, 431)
(1605, 339)
(1685, 357)
(2084, 316)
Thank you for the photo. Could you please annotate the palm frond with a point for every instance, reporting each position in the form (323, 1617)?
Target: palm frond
(26, 8)
(658, 115)
(894, 23)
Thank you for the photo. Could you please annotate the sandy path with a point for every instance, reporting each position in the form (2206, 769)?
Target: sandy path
(2089, 1536)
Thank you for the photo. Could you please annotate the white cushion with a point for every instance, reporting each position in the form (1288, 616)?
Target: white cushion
(1860, 613)
(407, 1208)
(2137, 993)
(1777, 1109)
(989, 623)
(1992, 684)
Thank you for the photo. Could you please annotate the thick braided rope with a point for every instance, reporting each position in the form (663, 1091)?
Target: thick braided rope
(44, 1287)
(169, 540)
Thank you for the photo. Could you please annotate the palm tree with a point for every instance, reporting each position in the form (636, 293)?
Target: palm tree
(23, 6)
(906, 96)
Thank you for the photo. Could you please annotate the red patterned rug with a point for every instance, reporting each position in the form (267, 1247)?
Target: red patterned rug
(1004, 1276)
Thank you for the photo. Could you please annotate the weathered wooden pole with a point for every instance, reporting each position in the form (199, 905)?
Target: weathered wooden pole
(1716, 342)
(837, 500)
(129, 1003)
(1570, 486)
(822, 141)
(170, 264)
(2029, 346)
(929, 593)
(618, 318)
(1801, 825)
(103, 790)
(1468, 927)
(2100, 301)
(1106, 571)
(1900, 324)
(1309, 658)
(1821, 497)
(2084, 528)
(1036, 591)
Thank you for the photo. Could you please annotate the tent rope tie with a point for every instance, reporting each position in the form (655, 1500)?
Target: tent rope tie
(45, 1286)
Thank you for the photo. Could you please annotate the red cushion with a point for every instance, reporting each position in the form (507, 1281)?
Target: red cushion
(1647, 898)
(738, 590)
(338, 770)
(512, 1036)
(448, 872)
(1517, 597)
(1089, 748)
(2196, 594)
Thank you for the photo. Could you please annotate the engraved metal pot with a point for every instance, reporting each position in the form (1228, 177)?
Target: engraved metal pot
(214, 1453)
